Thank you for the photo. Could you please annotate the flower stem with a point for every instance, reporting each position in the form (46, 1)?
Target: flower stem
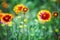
(7, 32)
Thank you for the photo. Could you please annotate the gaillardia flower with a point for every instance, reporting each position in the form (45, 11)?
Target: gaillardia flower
(18, 8)
(44, 16)
(6, 18)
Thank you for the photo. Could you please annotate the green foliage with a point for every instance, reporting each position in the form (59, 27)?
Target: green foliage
(31, 29)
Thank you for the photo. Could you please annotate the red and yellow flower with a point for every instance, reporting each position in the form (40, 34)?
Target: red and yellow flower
(44, 16)
(6, 18)
(18, 8)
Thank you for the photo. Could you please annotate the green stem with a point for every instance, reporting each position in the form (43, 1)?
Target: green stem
(7, 32)
(23, 26)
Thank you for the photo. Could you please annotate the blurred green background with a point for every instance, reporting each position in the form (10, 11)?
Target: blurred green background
(28, 27)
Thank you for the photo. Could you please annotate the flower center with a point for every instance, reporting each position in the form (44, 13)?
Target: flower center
(25, 9)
